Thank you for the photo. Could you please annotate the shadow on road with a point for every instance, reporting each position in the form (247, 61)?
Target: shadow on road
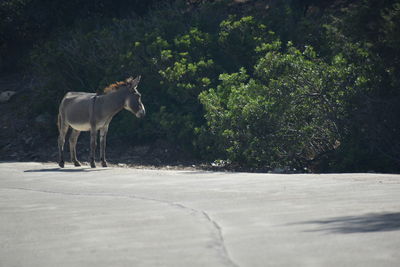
(67, 170)
(373, 222)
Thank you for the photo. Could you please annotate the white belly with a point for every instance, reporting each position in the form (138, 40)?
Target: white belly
(86, 126)
(81, 127)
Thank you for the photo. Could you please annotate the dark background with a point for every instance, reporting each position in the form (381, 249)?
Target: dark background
(251, 85)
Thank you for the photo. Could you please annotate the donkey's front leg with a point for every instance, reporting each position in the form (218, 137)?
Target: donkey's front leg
(93, 142)
(61, 141)
(103, 135)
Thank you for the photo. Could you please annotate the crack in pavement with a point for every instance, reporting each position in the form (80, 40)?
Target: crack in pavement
(203, 213)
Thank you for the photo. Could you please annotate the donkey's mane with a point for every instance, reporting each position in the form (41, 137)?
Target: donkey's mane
(114, 87)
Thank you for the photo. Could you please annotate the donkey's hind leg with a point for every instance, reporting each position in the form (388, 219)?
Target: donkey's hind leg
(103, 135)
(63, 129)
(73, 138)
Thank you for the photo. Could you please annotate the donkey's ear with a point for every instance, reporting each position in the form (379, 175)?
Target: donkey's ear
(136, 81)
(129, 80)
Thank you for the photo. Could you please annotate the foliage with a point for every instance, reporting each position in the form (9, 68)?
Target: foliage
(364, 34)
(23, 22)
(174, 57)
(263, 84)
(287, 114)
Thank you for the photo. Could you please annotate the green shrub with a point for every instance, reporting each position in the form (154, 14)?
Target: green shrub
(288, 114)
(218, 82)
(173, 55)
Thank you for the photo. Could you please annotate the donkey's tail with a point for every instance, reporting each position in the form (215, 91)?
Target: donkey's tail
(61, 116)
(58, 121)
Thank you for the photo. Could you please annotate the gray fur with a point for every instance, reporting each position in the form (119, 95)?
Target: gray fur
(90, 112)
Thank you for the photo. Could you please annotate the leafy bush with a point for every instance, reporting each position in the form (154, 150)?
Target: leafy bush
(173, 55)
(288, 114)
(364, 34)
(217, 81)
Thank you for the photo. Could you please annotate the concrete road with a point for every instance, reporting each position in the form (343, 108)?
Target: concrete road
(132, 217)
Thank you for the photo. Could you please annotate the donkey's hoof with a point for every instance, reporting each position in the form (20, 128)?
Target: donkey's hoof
(77, 164)
(104, 164)
(92, 164)
(61, 164)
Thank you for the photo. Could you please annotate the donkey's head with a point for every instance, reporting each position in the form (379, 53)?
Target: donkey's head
(133, 101)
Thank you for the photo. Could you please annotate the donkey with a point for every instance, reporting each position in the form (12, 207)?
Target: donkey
(91, 112)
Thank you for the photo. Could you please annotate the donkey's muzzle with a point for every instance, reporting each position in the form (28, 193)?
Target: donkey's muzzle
(141, 113)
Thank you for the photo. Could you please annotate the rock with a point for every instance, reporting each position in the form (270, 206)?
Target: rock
(220, 163)
(6, 95)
